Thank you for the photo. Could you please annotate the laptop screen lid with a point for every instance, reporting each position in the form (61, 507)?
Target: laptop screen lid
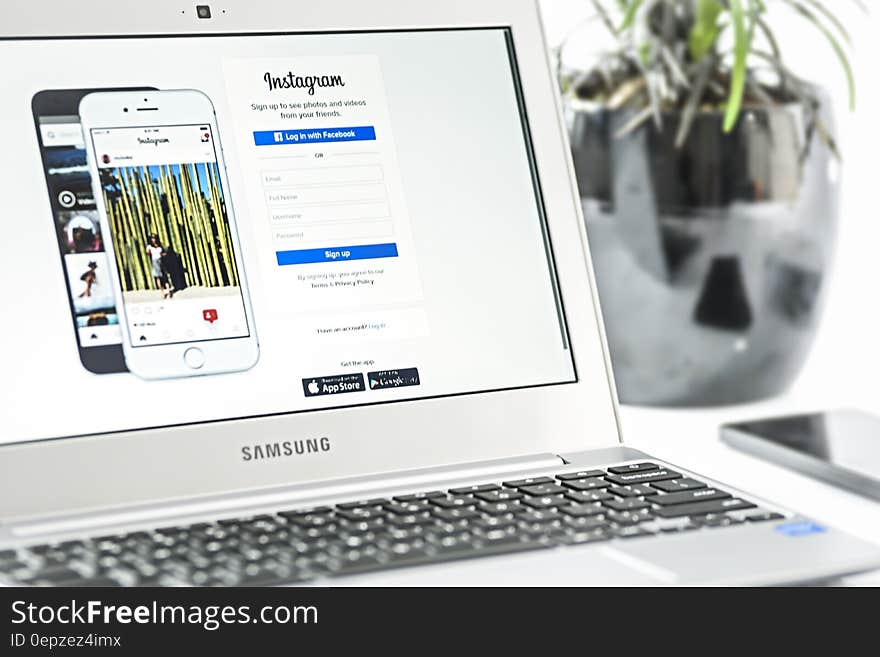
(381, 203)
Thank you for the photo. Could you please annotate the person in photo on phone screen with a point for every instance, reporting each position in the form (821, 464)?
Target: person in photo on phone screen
(155, 250)
(172, 266)
(90, 278)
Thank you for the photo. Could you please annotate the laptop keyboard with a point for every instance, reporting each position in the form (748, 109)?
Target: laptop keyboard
(627, 502)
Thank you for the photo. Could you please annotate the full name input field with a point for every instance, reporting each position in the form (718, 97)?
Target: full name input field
(297, 196)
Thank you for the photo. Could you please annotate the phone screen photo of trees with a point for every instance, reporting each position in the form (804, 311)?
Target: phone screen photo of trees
(170, 229)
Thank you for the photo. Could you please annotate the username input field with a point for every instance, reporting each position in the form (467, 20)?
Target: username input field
(317, 214)
(296, 196)
(323, 176)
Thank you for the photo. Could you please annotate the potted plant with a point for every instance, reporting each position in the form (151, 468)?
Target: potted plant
(708, 172)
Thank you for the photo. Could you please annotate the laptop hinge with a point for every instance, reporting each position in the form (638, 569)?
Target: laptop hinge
(241, 503)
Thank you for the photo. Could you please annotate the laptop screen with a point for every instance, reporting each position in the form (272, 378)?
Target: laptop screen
(334, 220)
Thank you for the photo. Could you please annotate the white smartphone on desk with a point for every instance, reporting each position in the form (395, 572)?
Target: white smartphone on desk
(160, 185)
(841, 447)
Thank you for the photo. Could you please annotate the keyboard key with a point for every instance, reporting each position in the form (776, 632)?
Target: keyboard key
(584, 524)
(58, 574)
(454, 502)
(411, 520)
(541, 516)
(498, 508)
(627, 504)
(265, 517)
(678, 485)
(497, 522)
(531, 481)
(398, 533)
(454, 544)
(535, 529)
(702, 508)
(499, 495)
(633, 467)
(406, 508)
(11, 565)
(632, 532)
(586, 496)
(453, 515)
(309, 520)
(415, 497)
(79, 581)
(629, 517)
(764, 516)
(367, 504)
(587, 484)
(355, 561)
(722, 521)
(481, 488)
(583, 474)
(587, 536)
(546, 502)
(688, 496)
(637, 490)
(581, 510)
(361, 526)
(643, 477)
(543, 489)
(168, 531)
(315, 510)
(406, 552)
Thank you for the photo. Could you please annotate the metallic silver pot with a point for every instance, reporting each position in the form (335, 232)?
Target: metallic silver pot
(712, 260)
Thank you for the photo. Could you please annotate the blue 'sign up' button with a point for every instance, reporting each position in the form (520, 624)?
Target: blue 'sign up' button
(336, 254)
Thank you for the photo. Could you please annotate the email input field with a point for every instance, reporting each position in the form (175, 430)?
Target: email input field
(323, 176)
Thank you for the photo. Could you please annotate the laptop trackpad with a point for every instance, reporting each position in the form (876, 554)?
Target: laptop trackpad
(594, 565)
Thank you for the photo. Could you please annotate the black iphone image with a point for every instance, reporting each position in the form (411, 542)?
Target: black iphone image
(84, 261)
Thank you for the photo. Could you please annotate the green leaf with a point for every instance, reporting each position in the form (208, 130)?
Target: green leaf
(630, 15)
(706, 28)
(741, 47)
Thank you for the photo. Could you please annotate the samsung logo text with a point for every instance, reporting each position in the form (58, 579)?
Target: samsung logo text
(263, 451)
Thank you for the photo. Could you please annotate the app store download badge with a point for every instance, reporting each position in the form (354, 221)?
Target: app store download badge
(333, 385)
(382, 379)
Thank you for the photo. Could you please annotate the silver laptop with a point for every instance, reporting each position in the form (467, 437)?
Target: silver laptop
(300, 293)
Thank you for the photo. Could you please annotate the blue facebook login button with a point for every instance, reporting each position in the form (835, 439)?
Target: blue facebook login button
(314, 135)
(336, 254)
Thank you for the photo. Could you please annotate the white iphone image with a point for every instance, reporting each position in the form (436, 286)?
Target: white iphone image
(161, 190)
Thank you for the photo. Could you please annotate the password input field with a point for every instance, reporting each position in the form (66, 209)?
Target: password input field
(319, 214)
(296, 196)
(288, 237)
(322, 176)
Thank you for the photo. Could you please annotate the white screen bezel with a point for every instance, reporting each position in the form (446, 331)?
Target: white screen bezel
(63, 475)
